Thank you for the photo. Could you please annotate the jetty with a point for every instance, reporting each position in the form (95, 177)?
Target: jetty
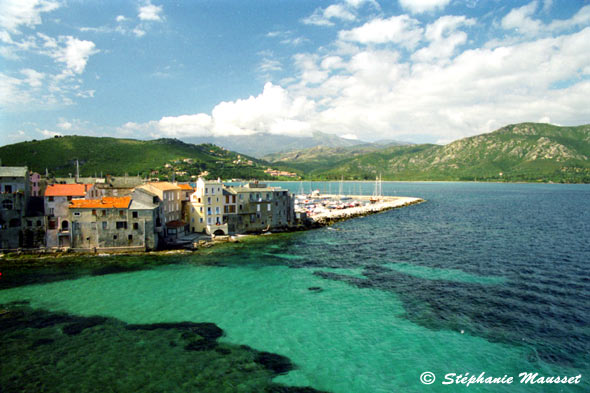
(327, 209)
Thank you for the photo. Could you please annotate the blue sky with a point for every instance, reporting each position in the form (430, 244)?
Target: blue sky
(420, 71)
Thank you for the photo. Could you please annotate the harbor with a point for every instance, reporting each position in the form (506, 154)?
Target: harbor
(324, 209)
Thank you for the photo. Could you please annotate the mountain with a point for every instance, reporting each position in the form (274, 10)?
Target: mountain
(260, 145)
(518, 152)
(119, 156)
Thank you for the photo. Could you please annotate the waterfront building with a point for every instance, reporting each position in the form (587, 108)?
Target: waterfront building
(118, 186)
(114, 223)
(57, 198)
(15, 191)
(206, 208)
(261, 208)
(171, 198)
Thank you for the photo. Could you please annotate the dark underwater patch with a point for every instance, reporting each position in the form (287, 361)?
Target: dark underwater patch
(45, 351)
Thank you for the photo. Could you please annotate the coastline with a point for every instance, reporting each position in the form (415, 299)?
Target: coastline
(31, 258)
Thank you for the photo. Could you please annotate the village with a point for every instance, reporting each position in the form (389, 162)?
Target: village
(128, 213)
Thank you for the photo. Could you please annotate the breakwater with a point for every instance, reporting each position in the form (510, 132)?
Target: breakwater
(380, 205)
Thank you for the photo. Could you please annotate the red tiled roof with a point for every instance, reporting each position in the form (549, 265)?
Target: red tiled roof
(103, 203)
(186, 187)
(77, 190)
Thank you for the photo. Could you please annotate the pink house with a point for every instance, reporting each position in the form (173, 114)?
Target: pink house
(35, 177)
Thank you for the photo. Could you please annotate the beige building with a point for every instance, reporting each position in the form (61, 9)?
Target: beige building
(206, 208)
(57, 198)
(171, 196)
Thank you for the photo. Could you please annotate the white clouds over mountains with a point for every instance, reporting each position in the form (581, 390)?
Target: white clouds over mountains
(395, 77)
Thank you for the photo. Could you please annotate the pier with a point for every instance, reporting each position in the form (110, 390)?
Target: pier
(327, 209)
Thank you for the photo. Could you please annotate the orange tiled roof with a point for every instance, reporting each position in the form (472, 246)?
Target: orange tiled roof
(103, 203)
(67, 190)
(186, 187)
(164, 186)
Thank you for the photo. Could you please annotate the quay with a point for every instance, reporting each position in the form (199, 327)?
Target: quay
(328, 209)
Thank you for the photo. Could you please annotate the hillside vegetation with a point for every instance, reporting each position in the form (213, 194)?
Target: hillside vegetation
(156, 158)
(519, 152)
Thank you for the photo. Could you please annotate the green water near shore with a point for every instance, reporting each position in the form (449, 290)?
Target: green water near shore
(341, 338)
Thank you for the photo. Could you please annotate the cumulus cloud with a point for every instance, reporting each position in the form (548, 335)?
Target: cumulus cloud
(344, 11)
(150, 12)
(273, 111)
(402, 30)
(14, 13)
(421, 6)
(443, 38)
(522, 21)
(74, 53)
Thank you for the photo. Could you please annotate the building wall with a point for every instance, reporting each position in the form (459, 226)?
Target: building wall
(206, 207)
(115, 228)
(14, 199)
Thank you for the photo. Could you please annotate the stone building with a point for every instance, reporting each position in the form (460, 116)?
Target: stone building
(15, 192)
(57, 198)
(113, 223)
(261, 208)
(171, 198)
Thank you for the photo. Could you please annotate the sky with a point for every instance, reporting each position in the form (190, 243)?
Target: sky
(409, 70)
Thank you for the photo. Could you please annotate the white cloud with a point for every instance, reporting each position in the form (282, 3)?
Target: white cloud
(150, 12)
(120, 18)
(344, 11)
(33, 78)
(14, 13)
(521, 20)
(349, 136)
(444, 38)
(74, 54)
(138, 32)
(420, 6)
(273, 111)
(402, 30)
(49, 134)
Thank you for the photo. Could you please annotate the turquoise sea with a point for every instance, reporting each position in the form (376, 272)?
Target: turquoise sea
(481, 277)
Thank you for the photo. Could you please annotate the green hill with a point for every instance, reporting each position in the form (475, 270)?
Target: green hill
(119, 156)
(519, 152)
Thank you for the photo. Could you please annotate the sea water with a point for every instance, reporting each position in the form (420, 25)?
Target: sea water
(480, 278)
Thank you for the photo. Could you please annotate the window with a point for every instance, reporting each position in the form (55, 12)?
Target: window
(29, 223)
(134, 214)
(38, 223)
(268, 206)
(201, 209)
(201, 220)
(130, 237)
(7, 204)
(50, 199)
(208, 210)
(114, 237)
(94, 212)
(105, 225)
(69, 198)
(155, 200)
(217, 210)
(233, 199)
(8, 189)
(198, 200)
(206, 190)
(257, 208)
(209, 220)
(208, 199)
(77, 214)
(135, 225)
(121, 213)
(104, 213)
(52, 224)
(121, 224)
